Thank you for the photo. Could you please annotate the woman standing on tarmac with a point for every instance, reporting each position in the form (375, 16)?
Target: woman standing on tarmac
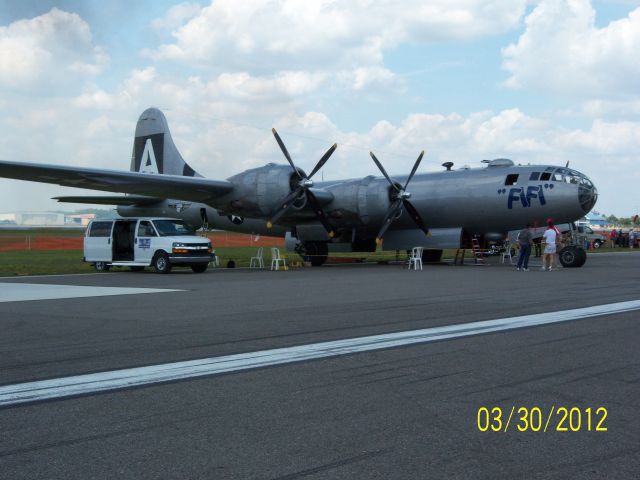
(550, 239)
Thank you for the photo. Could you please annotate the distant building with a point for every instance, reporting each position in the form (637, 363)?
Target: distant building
(596, 219)
(80, 219)
(45, 219)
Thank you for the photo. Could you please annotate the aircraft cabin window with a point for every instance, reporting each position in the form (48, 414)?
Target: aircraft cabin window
(100, 229)
(512, 179)
(146, 230)
(558, 177)
(534, 176)
(545, 176)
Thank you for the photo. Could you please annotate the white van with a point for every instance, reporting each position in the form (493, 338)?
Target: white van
(142, 242)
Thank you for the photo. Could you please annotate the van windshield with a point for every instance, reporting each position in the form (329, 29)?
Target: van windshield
(171, 228)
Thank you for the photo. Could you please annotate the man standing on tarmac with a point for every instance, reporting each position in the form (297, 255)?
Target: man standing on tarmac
(550, 239)
(524, 239)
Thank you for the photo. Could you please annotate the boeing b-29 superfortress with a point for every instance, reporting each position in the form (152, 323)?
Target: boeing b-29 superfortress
(439, 210)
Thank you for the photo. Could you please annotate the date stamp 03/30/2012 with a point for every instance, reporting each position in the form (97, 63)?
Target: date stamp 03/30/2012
(537, 419)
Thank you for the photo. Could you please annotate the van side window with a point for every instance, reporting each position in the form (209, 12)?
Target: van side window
(512, 179)
(100, 229)
(146, 230)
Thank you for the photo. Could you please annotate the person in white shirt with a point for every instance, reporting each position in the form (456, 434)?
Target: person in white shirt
(550, 239)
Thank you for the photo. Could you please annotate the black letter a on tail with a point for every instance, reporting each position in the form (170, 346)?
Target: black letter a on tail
(149, 153)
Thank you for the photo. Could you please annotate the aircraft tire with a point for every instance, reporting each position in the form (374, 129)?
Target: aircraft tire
(317, 253)
(431, 256)
(161, 263)
(199, 267)
(572, 257)
(102, 266)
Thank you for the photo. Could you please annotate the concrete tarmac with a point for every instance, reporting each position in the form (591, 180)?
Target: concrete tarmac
(408, 412)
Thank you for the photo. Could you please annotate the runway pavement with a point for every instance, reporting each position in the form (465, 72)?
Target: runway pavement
(404, 412)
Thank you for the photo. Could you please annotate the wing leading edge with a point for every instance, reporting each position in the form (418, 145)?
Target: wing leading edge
(195, 189)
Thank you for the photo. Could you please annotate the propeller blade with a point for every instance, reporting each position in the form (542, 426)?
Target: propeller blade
(323, 160)
(384, 172)
(285, 205)
(415, 216)
(317, 209)
(388, 219)
(415, 167)
(286, 153)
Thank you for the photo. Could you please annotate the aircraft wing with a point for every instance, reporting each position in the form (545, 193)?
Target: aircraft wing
(196, 189)
(138, 200)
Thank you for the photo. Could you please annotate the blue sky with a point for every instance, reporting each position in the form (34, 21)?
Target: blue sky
(537, 81)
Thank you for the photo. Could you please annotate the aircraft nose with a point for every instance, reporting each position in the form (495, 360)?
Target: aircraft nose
(587, 196)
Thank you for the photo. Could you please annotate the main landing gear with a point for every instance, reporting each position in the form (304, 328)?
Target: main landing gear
(314, 252)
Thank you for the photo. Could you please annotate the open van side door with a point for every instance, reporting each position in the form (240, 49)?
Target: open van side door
(144, 242)
(97, 242)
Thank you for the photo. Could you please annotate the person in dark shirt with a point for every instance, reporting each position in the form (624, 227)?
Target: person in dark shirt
(524, 239)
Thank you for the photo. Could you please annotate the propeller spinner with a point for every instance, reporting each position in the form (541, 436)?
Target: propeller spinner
(399, 200)
(304, 187)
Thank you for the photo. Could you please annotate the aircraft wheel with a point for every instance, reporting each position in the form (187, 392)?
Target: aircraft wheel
(199, 267)
(161, 263)
(431, 256)
(102, 266)
(572, 257)
(317, 252)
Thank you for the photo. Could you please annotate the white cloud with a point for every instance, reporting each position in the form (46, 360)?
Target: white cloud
(176, 16)
(562, 51)
(345, 39)
(48, 50)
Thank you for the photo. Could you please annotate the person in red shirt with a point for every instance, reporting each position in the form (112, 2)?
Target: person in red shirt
(613, 237)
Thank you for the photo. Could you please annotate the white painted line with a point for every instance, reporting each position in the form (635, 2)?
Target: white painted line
(49, 275)
(167, 372)
(22, 292)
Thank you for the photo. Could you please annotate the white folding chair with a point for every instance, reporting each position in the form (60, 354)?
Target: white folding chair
(257, 261)
(507, 253)
(276, 259)
(215, 260)
(415, 260)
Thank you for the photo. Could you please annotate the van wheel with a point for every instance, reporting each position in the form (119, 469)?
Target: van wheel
(102, 266)
(596, 244)
(161, 263)
(199, 267)
(137, 269)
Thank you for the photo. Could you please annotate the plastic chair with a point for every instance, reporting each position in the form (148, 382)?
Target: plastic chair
(276, 259)
(415, 260)
(215, 260)
(257, 261)
(507, 253)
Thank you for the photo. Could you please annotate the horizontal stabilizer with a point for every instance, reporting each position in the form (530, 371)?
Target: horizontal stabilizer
(111, 200)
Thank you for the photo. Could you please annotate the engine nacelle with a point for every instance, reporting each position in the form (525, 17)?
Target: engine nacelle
(258, 192)
(362, 202)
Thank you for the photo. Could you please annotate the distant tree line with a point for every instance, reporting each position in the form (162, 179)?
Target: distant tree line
(628, 221)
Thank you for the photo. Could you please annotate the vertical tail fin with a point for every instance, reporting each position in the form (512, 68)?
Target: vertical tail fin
(153, 147)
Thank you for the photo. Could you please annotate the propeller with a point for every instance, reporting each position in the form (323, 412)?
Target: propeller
(304, 187)
(399, 200)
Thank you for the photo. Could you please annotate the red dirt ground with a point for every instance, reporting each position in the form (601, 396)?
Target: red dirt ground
(221, 239)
